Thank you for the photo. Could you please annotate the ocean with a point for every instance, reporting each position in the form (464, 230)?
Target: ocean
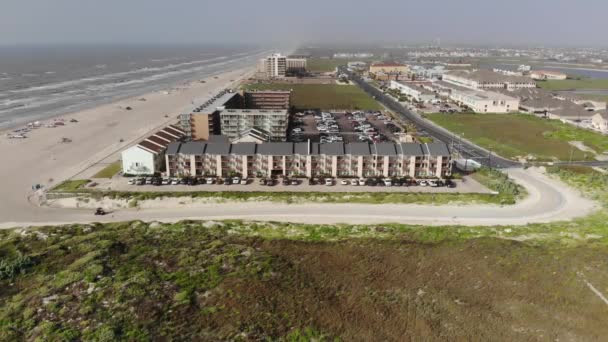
(38, 82)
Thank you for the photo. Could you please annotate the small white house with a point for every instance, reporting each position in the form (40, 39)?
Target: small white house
(600, 121)
(148, 157)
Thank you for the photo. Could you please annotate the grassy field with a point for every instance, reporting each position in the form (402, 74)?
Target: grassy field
(517, 135)
(585, 83)
(324, 96)
(234, 280)
(109, 171)
(71, 185)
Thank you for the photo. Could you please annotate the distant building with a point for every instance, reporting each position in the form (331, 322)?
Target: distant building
(278, 66)
(203, 121)
(435, 72)
(389, 68)
(414, 91)
(545, 75)
(309, 159)
(487, 80)
(147, 157)
(484, 101)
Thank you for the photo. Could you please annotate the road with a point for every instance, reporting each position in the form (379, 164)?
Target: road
(548, 201)
(464, 147)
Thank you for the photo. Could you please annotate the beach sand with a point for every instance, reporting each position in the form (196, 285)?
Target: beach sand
(44, 159)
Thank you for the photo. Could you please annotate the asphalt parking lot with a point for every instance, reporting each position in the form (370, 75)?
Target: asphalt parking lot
(309, 126)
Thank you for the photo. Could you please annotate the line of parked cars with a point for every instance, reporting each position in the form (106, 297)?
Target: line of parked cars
(157, 181)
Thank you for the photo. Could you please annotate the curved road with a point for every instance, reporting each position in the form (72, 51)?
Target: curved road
(548, 200)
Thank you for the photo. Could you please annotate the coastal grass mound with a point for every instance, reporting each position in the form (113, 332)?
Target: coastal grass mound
(323, 96)
(522, 135)
(109, 171)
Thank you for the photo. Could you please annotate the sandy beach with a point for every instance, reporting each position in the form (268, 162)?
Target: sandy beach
(44, 159)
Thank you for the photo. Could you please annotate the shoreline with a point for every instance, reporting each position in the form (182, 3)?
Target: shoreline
(51, 155)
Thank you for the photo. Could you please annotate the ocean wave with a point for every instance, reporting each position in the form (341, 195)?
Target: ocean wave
(110, 76)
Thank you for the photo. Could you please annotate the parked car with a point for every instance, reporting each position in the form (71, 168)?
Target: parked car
(132, 181)
(209, 180)
(388, 182)
(149, 181)
(262, 181)
(423, 183)
(329, 181)
(344, 182)
(100, 211)
(174, 181)
(140, 181)
(354, 182)
(270, 182)
(166, 181)
(362, 181)
(244, 181)
(295, 182)
(227, 181)
(285, 181)
(433, 183)
(236, 180)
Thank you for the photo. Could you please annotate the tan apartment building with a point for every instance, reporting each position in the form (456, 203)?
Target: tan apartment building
(267, 99)
(389, 68)
(309, 159)
(273, 121)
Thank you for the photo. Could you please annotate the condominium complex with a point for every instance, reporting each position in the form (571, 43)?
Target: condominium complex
(308, 159)
(267, 99)
(277, 65)
(485, 101)
(203, 121)
(273, 121)
(487, 80)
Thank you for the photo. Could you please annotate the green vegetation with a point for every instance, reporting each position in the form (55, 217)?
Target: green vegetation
(501, 183)
(71, 185)
(324, 96)
(521, 135)
(572, 84)
(109, 171)
(235, 280)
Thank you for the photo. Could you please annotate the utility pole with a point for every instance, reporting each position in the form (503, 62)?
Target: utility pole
(571, 153)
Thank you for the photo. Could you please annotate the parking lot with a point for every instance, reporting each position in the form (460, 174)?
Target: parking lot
(466, 185)
(341, 126)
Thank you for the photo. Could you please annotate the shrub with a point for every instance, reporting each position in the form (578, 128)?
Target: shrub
(9, 269)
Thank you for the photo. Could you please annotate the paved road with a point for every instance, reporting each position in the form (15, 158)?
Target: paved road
(548, 201)
(466, 148)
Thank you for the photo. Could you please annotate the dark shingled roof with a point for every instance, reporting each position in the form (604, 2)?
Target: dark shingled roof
(437, 149)
(412, 149)
(384, 149)
(173, 148)
(244, 148)
(301, 148)
(193, 147)
(276, 149)
(151, 146)
(222, 149)
(358, 149)
(332, 149)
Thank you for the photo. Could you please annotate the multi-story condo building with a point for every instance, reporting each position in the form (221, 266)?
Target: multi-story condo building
(308, 159)
(267, 99)
(487, 80)
(277, 65)
(273, 121)
(485, 101)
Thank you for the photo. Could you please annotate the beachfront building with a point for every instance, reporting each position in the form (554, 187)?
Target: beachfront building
(147, 157)
(273, 121)
(203, 121)
(430, 73)
(308, 159)
(487, 80)
(267, 99)
(414, 91)
(278, 66)
(547, 75)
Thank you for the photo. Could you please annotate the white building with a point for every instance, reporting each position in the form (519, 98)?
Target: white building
(545, 75)
(277, 65)
(414, 91)
(487, 80)
(484, 101)
(148, 156)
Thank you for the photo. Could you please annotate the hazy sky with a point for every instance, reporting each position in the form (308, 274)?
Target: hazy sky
(536, 22)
